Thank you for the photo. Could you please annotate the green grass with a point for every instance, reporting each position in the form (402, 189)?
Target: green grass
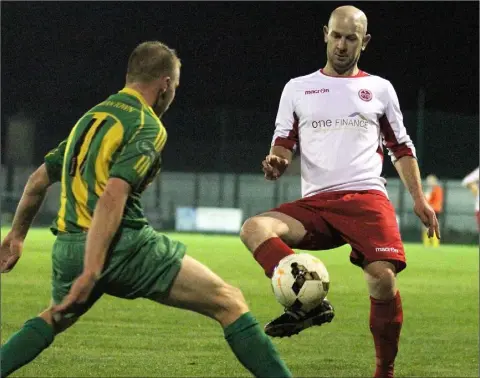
(138, 338)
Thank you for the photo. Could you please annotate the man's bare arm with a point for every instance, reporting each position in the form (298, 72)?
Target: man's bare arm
(31, 201)
(407, 168)
(106, 220)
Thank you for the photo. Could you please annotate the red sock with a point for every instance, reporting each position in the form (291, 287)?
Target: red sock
(386, 318)
(270, 252)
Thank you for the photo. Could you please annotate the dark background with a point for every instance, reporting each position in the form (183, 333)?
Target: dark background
(59, 59)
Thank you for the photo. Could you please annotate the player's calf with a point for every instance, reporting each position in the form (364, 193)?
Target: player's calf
(386, 315)
(36, 335)
(198, 289)
(230, 305)
(246, 339)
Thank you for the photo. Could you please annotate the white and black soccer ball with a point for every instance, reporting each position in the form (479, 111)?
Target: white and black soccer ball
(300, 282)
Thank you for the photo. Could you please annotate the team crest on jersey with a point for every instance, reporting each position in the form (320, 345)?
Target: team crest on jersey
(146, 147)
(365, 94)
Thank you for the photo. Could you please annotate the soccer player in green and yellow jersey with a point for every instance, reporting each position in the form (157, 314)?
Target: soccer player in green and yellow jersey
(103, 242)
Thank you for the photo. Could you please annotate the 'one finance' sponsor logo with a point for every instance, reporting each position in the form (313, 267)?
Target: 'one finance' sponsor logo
(355, 121)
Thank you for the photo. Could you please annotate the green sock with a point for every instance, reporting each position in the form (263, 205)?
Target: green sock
(254, 349)
(35, 336)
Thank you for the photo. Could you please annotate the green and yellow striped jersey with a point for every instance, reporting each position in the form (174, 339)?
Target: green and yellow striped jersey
(120, 137)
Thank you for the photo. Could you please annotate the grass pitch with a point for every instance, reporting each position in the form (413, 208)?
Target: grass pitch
(120, 338)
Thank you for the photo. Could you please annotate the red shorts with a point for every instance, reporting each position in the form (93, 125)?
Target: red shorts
(477, 213)
(364, 219)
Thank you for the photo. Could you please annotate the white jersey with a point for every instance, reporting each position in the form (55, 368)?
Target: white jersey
(471, 178)
(340, 125)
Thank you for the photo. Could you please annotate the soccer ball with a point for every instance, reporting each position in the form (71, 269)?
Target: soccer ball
(300, 282)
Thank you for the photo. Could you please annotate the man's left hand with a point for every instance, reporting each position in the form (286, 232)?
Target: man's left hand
(428, 217)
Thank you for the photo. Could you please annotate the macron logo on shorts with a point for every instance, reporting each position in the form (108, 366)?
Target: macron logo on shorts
(386, 249)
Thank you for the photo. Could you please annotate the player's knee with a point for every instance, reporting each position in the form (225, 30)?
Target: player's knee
(250, 228)
(257, 229)
(381, 282)
(387, 279)
(230, 304)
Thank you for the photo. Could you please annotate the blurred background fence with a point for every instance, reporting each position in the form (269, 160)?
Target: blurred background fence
(252, 194)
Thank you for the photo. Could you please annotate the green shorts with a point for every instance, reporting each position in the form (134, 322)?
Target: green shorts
(140, 264)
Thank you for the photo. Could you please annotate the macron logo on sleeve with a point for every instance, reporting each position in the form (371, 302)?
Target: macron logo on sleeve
(316, 91)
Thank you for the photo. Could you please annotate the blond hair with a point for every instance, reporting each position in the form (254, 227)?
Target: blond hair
(151, 60)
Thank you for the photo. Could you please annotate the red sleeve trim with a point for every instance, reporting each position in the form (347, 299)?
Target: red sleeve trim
(398, 149)
(292, 139)
(285, 143)
(402, 150)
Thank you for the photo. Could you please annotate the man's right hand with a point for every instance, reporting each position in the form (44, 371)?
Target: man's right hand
(78, 294)
(274, 166)
(10, 252)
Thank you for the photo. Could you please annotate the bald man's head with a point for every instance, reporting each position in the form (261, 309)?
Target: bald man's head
(346, 36)
(350, 14)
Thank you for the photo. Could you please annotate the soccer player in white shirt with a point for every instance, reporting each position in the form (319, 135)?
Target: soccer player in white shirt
(471, 182)
(341, 118)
